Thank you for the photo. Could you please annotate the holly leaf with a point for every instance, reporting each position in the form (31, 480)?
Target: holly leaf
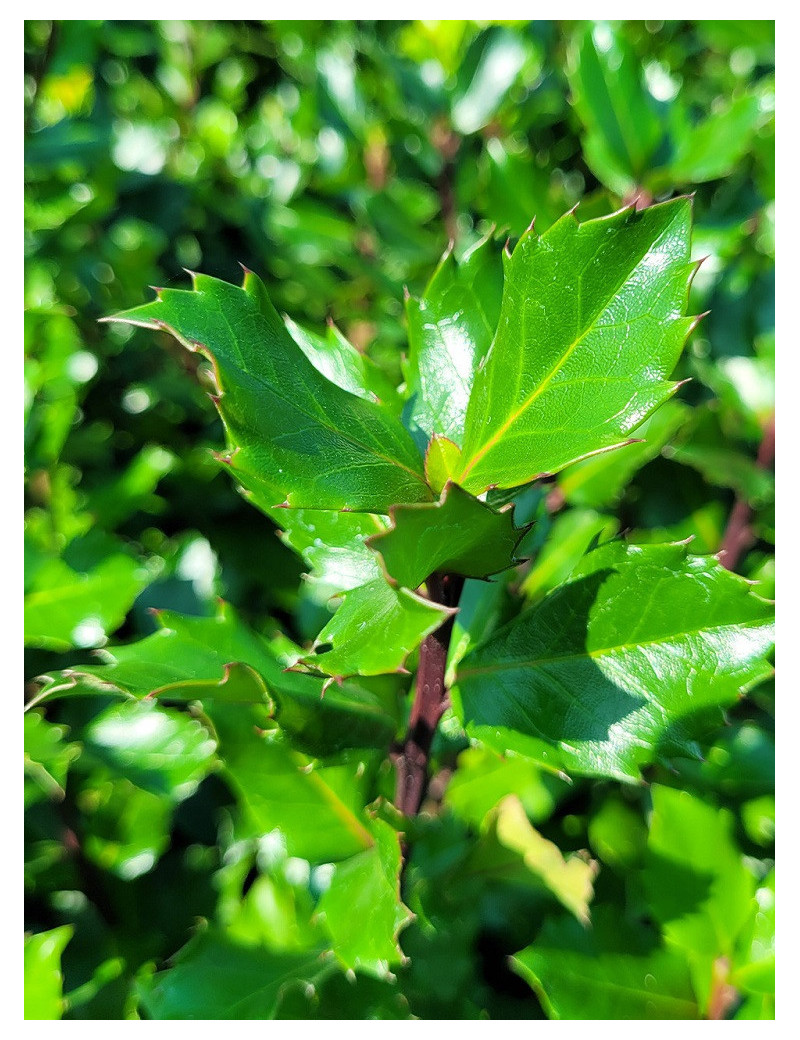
(220, 660)
(458, 534)
(711, 148)
(66, 608)
(573, 984)
(512, 848)
(316, 805)
(450, 329)
(362, 908)
(622, 126)
(338, 360)
(591, 325)
(158, 749)
(295, 437)
(629, 662)
(373, 631)
(697, 885)
(214, 978)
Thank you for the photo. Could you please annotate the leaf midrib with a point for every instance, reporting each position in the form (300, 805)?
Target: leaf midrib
(603, 652)
(561, 362)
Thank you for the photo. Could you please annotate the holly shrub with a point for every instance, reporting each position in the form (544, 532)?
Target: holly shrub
(398, 609)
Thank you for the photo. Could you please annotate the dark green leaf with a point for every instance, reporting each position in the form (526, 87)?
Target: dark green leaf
(458, 534)
(215, 978)
(627, 663)
(299, 438)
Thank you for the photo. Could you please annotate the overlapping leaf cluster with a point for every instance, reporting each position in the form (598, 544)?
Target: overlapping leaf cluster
(206, 767)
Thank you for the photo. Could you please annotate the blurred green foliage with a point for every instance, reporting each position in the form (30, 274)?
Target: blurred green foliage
(337, 160)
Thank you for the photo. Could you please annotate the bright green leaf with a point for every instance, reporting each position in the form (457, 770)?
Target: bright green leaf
(43, 979)
(374, 631)
(66, 608)
(623, 128)
(590, 328)
(47, 758)
(450, 329)
(576, 985)
(362, 908)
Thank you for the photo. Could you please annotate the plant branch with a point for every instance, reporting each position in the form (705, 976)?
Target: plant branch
(430, 700)
(739, 535)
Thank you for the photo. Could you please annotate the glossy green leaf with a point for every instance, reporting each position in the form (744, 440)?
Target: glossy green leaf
(316, 805)
(349, 997)
(591, 326)
(66, 608)
(373, 631)
(47, 758)
(158, 749)
(629, 662)
(577, 985)
(338, 360)
(220, 660)
(450, 329)
(215, 978)
(333, 545)
(362, 908)
(623, 128)
(458, 535)
(297, 438)
(600, 480)
(43, 978)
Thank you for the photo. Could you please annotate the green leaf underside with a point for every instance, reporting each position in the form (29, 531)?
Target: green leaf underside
(373, 631)
(450, 329)
(590, 327)
(362, 908)
(220, 660)
(457, 534)
(214, 978)
(568, 879)
(573, 985)
(296, 436)
(629, 662)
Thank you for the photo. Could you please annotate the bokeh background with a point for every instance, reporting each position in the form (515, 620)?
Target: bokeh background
(338, 160)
